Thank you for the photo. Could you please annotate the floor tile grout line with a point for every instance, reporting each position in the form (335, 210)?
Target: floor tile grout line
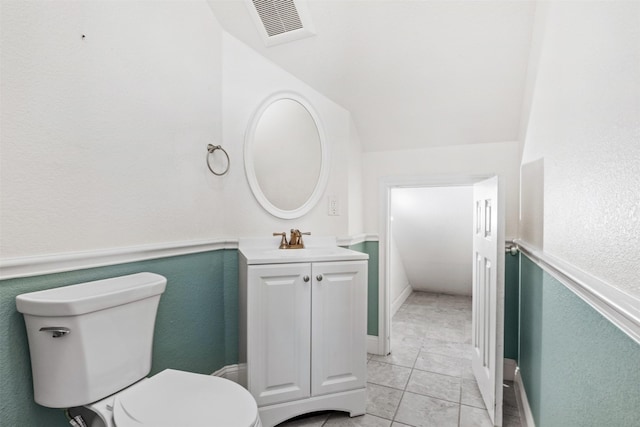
(460, 406)
(387, 386)
(405, 387)
(460, 377)
(433, 397)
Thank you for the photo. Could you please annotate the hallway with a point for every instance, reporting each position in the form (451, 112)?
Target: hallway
(427, 380)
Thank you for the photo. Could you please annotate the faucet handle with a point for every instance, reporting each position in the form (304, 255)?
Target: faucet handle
(300, 242)
(283, 241)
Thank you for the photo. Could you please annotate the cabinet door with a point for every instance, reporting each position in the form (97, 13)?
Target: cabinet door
(278, 329)
(339, 318)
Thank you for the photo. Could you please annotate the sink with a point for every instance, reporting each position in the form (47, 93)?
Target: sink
(265, 251)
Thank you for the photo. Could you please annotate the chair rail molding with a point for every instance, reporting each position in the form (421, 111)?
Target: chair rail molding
(617, 306)
(11, 268)
(357, 238)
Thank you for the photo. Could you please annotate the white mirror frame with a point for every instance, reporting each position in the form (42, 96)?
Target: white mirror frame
(250, 170)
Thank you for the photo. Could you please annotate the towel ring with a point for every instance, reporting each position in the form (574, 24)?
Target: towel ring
(210, 149)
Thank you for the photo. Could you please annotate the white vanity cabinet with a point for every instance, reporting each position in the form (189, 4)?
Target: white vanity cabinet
(303, 336)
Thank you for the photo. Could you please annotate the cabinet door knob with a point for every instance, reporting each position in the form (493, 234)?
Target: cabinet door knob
(319, 277)
(305, 279)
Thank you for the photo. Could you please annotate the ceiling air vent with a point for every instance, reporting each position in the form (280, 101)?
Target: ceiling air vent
(281, 21)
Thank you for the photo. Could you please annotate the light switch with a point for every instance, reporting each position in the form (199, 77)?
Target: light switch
(334, 208)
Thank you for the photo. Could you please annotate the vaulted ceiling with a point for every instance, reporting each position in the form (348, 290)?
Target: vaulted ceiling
(414, 74)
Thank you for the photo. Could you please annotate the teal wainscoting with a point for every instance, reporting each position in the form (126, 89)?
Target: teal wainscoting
(371, 248)
(196, 328)
(511, 302)
(578, 369)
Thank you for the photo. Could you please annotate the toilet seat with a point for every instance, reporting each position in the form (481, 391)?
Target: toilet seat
(184, 399)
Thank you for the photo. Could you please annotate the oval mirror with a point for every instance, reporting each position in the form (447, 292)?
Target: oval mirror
(286, 156)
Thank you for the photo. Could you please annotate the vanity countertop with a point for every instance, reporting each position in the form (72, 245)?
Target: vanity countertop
(317, 249)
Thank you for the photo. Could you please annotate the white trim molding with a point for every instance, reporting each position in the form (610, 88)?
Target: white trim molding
(374, 345)
(11, 268)
(526, 416)
(231, 372)
(57, 263)
(358, 238)
(617, 306)
(400, 299)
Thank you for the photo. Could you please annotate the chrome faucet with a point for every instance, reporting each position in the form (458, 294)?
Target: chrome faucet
(295, 241)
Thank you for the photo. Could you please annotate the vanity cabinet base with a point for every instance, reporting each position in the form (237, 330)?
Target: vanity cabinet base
(303, 329)
(354, 402)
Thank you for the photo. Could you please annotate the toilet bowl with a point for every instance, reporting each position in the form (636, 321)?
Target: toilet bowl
(175, 399)
(90, 347)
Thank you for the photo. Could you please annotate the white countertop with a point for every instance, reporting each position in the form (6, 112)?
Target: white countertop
(317, 249)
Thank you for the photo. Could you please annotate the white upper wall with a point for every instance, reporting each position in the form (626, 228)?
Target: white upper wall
(104, 136)
(414, 74)
(583, 130)
(355, 201)
(476, 159)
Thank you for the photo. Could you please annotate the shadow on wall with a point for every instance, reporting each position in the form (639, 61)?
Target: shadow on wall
(511, 305)
(432, 229)
(531, 227)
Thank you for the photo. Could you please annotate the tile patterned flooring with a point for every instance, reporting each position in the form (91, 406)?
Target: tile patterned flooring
(427, 381)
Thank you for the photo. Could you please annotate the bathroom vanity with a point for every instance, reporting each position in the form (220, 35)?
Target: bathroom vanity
(302, 327)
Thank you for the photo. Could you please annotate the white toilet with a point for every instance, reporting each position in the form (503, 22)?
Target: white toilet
(90, 348)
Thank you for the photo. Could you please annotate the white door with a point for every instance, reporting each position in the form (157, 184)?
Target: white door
(339, 312)
(279, 332)
(488, 291)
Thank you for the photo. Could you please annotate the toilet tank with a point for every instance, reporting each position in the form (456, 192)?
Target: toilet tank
(109, 340)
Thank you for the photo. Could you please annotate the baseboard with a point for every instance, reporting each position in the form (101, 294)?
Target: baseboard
(509, 369)
(401, 299)
(237, 372)
(231, 372)
(526, 416)
(373, 345)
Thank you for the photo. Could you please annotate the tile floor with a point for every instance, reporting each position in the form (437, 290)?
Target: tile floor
(427, 380)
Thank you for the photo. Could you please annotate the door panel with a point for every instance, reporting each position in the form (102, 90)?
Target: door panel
(339, 326)
(279, 332)
(488, 295)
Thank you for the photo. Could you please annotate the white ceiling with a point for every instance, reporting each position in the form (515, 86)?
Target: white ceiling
(413, 74)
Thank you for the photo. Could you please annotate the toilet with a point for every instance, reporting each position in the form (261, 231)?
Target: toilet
(90, 348)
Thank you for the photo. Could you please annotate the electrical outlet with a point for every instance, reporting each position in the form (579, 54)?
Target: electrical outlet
(334, 208)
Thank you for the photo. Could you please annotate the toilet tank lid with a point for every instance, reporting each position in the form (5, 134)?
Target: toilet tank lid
(91, 296)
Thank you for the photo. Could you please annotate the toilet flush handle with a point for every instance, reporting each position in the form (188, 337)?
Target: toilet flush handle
(57, 331)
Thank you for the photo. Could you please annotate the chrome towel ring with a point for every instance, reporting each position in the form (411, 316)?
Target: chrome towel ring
(210, 149)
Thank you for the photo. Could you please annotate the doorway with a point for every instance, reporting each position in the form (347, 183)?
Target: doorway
(492, 215)
(430, 241)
